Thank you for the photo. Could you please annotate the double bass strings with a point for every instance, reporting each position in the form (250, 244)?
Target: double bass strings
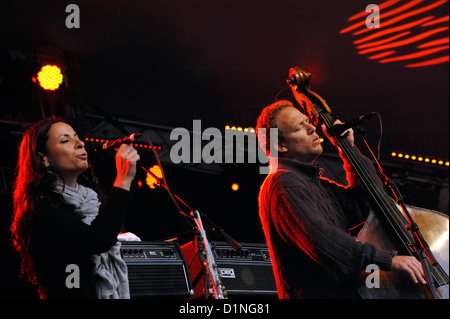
(373, 185)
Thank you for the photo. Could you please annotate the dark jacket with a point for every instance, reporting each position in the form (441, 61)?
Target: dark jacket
(306, 221)
(59, 239)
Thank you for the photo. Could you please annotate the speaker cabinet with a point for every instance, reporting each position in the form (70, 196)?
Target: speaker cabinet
(245, 273)
(156, 269)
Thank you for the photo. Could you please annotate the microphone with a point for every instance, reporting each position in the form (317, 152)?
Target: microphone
(338, 129)
(119, 141)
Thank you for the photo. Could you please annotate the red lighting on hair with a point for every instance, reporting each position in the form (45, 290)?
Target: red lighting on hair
(407, 33)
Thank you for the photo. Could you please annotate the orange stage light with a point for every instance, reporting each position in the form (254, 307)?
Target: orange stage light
(150, 180)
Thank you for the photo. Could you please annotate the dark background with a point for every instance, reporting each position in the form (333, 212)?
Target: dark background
(170, 62)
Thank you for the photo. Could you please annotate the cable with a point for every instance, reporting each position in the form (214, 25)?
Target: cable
(279, 92)
(166, 185)
(381, 135)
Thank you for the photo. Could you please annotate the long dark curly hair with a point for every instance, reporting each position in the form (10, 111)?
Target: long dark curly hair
(33, 182)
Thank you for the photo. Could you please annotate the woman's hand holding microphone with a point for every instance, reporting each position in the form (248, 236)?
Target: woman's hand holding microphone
(126, 159)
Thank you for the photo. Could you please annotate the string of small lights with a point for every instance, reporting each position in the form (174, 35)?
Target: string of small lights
(98, 140)
(419, 158)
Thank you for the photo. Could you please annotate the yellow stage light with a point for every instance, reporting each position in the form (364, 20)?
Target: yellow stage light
(50, 77)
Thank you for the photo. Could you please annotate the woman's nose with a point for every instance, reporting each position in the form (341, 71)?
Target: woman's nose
(80, 143)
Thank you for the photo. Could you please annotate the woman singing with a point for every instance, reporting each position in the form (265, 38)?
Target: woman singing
(65, 235)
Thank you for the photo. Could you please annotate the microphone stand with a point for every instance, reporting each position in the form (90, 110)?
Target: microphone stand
(205, 253)
(218, 230)
(207, 258)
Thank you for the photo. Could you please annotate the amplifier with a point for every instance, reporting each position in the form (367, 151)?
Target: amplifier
(245, 273)
(156, 269)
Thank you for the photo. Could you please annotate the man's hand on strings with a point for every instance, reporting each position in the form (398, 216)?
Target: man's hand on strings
(348, 134)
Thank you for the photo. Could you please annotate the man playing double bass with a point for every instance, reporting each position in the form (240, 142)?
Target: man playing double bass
(306, 218)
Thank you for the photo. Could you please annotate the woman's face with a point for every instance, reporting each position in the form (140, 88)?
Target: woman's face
(66, 155)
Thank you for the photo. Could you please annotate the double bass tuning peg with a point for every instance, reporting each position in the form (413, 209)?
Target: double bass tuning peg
(298, 77)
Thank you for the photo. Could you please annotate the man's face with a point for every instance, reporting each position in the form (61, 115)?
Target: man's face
(301, 140)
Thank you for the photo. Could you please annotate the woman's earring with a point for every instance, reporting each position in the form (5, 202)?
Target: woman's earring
(43, 159)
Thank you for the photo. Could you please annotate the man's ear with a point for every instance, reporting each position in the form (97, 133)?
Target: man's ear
(43, 159)
(281, 147)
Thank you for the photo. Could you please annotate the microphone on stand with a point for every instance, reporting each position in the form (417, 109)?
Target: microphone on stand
(338, 129)
(119, 141)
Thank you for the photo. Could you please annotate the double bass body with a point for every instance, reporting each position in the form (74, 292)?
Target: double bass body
(434, 227)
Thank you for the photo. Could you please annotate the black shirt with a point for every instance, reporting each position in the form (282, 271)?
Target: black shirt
(60, 239)
(306, 220)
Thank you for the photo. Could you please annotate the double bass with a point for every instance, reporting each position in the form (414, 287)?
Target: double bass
(391, 224)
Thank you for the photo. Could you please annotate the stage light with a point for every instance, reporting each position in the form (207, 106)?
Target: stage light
(240, 129)
(235, 186)
(50, 77)
(96, 140)
(421, 159)
(150, 180)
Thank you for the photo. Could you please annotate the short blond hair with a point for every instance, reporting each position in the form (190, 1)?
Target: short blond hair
(267, 120)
